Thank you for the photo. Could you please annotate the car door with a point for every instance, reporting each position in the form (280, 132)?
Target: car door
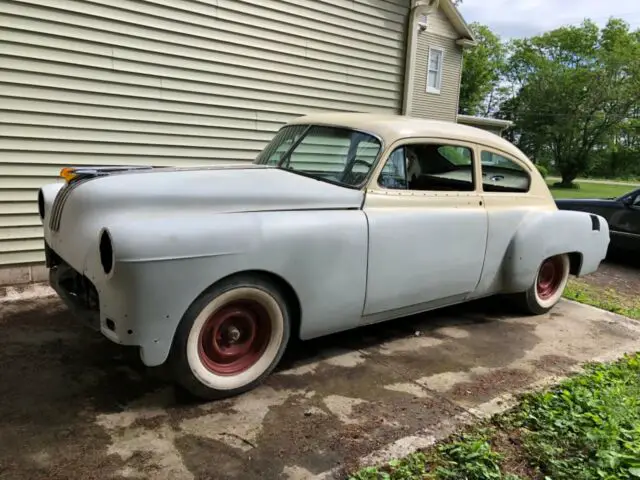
(427, 228)
(624, 222)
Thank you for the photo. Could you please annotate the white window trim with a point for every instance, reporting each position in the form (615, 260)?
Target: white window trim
(439, 78)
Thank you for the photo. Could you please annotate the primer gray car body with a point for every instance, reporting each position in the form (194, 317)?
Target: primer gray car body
(352, 255)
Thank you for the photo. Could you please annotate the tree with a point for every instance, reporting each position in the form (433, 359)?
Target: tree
(482, 69)
(577, 86)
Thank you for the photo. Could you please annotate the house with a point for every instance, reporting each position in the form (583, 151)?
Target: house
(182, 82)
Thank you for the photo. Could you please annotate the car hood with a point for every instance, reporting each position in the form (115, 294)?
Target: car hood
(213, 189)
(178, 195)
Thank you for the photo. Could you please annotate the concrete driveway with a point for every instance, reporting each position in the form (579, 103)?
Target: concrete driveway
(72, 405)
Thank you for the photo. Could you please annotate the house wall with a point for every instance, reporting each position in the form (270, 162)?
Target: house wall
(443, 106)
(173, 82)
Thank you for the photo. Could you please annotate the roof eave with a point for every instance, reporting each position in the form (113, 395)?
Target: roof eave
(466, 43)
(493, 122)
(458, 21)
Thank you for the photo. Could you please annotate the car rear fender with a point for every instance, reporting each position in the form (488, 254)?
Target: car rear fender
(547, 233)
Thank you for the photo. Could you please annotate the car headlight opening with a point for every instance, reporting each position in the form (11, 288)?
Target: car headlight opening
(106, 252)
(41, 204)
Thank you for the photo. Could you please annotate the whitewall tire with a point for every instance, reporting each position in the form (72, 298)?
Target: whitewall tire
(548, 286)
(231, 337)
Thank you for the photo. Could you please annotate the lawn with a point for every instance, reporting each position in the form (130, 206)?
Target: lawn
(588, 427)
(590, 190)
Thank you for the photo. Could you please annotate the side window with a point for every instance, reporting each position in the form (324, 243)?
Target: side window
(501, 174)
(429, 167)
(394, 175)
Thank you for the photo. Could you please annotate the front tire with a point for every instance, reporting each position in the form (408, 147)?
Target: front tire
(231, 338)
(548, 286)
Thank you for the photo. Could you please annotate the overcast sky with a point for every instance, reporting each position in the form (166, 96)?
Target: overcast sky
(522, 18)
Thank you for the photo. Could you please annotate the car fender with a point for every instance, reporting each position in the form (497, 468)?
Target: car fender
(163, 265)
(543, 234)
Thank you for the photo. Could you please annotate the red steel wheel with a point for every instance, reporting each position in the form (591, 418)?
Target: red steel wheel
(550, 277)
(231, 337)
(547, 287)
(234, 337)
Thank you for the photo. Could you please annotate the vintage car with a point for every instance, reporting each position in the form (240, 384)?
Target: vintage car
(343, 220)
(622, 214)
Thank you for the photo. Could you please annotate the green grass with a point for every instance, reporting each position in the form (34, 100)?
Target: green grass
(606, 299)
(588, 427)
(590, 190)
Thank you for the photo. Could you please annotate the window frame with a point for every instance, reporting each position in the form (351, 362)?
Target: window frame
(374, 183)
(436, 90)
(525, 168)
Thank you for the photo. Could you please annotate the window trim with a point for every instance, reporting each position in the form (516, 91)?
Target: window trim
(494, 151)
(430, 89)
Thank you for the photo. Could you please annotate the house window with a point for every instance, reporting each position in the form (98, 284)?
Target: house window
(434, 70)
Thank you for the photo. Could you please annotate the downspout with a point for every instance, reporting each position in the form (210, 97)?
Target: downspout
(418, 8)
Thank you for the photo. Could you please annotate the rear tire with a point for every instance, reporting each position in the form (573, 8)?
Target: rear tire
(548, 286)
(231, 338)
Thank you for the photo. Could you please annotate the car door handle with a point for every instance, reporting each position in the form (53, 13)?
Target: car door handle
(497, 178)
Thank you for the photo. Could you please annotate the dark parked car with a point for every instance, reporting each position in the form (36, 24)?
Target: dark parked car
(622, 213)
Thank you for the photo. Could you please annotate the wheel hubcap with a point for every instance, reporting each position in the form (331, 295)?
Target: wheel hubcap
(234, 337)
(549, 277)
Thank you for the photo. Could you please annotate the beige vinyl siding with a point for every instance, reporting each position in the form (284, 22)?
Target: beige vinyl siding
(439, 34)
(175, 82)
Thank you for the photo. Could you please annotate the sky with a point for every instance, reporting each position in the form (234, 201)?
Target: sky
(524, 18)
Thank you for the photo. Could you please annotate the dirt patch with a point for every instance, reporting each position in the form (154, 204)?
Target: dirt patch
(557, 364)
(510, 445)
(485, 387)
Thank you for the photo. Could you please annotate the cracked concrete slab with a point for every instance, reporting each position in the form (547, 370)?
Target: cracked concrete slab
(73, 404)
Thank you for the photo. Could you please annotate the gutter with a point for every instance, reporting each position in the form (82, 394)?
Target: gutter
(418, 8)
(489, 122)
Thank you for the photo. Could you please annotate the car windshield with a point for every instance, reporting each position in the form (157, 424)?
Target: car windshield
(334, 154)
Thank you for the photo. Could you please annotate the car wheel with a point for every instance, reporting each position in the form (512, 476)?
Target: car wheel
(231, 338)
(548, 286)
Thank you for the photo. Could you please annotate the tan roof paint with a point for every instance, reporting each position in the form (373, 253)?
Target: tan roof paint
(391, 128)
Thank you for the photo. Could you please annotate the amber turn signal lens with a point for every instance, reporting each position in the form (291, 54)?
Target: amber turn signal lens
(68, 173)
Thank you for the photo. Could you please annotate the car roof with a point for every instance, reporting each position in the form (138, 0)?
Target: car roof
(391, 128)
